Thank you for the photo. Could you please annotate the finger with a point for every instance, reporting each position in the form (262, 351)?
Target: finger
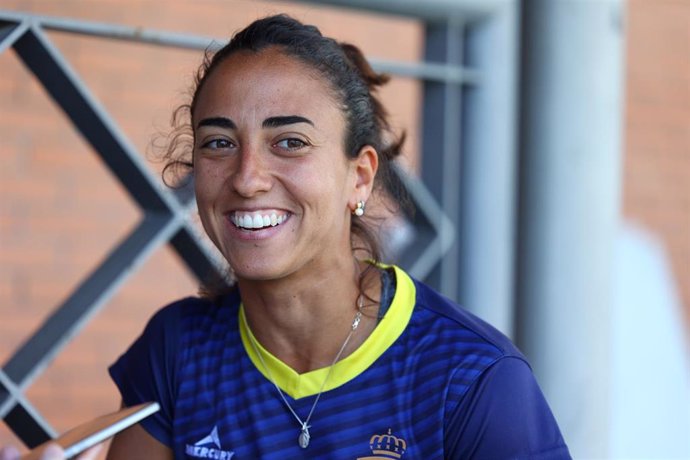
(9, 453)
(91, 453)
(53, 452)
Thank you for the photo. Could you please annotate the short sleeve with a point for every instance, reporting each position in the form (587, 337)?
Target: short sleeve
(504, 415)
(147, 371)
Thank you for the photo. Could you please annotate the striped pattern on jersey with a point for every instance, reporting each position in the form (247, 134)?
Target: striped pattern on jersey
(387, 400)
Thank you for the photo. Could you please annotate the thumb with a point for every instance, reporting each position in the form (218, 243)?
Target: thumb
(9, 453)
(91, 453)
(53, 452)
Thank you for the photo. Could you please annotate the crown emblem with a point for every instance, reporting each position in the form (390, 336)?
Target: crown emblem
(386, 446)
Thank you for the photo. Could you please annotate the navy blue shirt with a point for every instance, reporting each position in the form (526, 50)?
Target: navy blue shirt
(431, 382)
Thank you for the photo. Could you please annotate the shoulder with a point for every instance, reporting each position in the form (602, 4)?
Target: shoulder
(503, 414)
(155, 356)
(489, 391)
(436, 315)
(193, 312)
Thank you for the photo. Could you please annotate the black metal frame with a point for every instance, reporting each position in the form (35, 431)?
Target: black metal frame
(164, 221)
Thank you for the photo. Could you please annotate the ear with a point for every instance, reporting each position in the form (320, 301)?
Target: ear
(364, 168)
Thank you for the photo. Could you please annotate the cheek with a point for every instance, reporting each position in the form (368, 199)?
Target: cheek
(206, 182)
(206, 192)
(201, 194)
(203, 203)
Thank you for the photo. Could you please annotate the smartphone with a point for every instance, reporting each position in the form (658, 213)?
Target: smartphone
(97, 430)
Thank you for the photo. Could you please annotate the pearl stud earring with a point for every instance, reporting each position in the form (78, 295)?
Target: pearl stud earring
(359, 210)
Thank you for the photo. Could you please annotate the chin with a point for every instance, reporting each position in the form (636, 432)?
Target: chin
(257, 272)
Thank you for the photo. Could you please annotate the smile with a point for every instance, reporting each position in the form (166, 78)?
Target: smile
(257, 220)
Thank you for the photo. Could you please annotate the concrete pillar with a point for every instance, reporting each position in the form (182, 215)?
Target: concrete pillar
(569, 207)
(487, 227)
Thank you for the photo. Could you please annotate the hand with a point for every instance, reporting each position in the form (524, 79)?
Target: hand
(9, 453)
(51, 452)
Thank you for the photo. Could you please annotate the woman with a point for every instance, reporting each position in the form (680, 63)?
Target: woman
(319, 350)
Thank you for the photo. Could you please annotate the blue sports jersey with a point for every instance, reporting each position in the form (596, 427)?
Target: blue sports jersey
(431, 382)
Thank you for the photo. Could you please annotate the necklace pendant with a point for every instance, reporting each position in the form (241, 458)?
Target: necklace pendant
(304, 437)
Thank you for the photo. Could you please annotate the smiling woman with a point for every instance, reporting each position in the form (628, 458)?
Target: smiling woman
(319, 349)
(279, 151)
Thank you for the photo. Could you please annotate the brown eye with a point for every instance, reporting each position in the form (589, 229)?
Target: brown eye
(291, 144)
(217, 144)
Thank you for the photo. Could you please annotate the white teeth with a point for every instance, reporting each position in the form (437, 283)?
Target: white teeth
(257, 220)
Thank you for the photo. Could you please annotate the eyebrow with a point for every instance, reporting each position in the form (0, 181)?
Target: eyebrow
(274, 122)
(271, 122)
(220, 122)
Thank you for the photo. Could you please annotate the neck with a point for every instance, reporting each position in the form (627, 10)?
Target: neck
(304, 324)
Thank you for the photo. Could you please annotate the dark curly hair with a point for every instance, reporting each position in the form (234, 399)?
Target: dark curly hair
(354, 84)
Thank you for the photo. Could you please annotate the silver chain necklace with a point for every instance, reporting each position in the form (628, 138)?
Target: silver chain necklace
(304, 436)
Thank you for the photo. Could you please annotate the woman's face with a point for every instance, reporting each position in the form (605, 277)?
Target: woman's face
(274, 187)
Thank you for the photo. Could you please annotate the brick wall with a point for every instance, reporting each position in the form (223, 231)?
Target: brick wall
(657, 129)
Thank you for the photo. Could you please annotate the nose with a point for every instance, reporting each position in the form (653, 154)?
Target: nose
(251, 175)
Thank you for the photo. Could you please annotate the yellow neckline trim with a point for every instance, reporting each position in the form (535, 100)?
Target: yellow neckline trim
(386, 332)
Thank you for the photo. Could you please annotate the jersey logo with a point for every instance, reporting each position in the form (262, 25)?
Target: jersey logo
(209, 447)
(386, 446)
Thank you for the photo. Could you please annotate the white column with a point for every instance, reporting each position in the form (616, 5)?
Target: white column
(487, 227)
(569, 212)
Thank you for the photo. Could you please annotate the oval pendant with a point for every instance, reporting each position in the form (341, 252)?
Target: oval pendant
(304, 439)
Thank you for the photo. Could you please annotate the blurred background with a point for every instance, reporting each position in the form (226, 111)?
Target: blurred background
(548, 154)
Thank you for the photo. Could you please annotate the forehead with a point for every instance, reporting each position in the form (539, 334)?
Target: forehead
(268, 82)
